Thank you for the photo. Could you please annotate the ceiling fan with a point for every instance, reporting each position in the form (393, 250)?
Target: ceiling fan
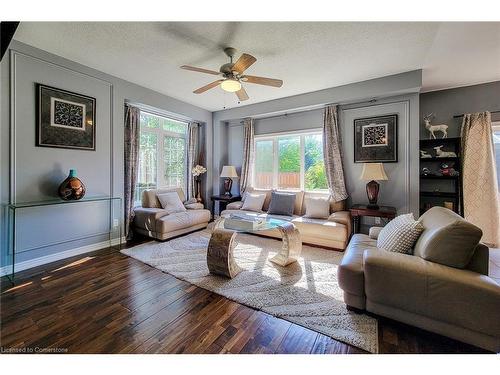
(233, 75)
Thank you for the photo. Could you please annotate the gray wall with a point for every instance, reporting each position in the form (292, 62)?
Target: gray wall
(38, 171)
(402, 189)
(447, 103)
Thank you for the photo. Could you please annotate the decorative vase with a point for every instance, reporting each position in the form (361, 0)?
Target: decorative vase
(199, 199)
(372, 189)
(72, 188)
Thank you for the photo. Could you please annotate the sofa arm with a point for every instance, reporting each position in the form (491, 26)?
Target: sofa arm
(234, 205)
(194, 206)
(145, 218)
(455, 296)
(374, 232)
(342, 217)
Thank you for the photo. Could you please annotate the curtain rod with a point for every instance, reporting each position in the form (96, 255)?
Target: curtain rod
(318, 106)
(463, 114)
(162, 112)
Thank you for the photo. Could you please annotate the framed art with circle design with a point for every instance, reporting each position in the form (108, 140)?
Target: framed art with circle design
(65, 119)
(376, 140)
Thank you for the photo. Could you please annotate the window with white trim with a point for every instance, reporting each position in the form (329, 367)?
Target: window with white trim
(290, 161)
(496, 144)
(162, 153)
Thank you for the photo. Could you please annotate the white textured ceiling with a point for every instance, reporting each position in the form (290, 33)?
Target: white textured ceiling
(307, 56)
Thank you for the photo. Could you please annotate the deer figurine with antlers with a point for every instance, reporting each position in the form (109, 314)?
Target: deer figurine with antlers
(432, 128)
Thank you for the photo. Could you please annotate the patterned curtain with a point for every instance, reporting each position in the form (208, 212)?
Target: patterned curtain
(193, 135)
(132, 139)
(480, 186)
(248, 154)
(332, 154)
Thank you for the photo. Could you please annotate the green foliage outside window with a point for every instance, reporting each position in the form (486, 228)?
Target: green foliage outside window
(289, 154)
(289, 159)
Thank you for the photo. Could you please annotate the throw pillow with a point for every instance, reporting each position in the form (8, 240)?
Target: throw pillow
(253, 202)
(171, 202)
(281, 204)
(400, 234)
(448, 239)
(317, 207)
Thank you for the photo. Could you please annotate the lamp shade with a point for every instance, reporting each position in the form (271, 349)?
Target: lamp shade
(373, 171)
(228, 171)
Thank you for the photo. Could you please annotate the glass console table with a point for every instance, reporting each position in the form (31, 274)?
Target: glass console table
(113, 232)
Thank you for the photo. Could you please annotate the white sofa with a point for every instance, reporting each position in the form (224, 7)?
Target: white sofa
(153, 221)
(333, 232)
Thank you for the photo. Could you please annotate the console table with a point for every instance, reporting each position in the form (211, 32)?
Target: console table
(359, 210)
(114, 231)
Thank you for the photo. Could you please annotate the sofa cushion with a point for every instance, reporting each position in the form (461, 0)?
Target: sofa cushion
(182, 220)
(334, 206)
(299, 197)
(170, 202)
(400, 234)
(447, 238)
(282, 203)
(254, 201)
(320, 228)
(150, 200)
(267, 192)
(317, 207)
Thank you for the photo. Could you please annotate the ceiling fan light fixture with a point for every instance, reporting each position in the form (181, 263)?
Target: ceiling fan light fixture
(231, 85)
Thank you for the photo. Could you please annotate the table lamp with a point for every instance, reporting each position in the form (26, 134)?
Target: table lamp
(228, 173)
(373, 172)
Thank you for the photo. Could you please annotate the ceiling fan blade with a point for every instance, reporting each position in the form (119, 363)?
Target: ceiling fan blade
(243, 63)
(208, 87)
(263, 81)
(242, 94)
(201, 70)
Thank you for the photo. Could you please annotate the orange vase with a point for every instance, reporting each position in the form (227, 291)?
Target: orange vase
(72, 188)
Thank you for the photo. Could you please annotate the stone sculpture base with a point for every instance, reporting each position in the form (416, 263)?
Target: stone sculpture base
(292, 245)
(220, 259)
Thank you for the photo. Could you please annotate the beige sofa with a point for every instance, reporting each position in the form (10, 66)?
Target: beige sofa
(333, 232)
(152, 220)
(461, 303)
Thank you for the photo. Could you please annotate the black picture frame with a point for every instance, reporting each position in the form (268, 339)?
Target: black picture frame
(376, 139)
(65, 119)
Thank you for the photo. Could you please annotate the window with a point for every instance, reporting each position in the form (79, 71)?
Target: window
(496, 143)
(162, 153)
(292, 161)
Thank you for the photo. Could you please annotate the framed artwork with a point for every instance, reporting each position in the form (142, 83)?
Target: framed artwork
(375, 139)
(65, 119)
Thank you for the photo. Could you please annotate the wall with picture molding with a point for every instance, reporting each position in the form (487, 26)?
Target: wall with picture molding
(30, 173)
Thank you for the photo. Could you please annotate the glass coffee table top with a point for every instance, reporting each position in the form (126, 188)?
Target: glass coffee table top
(269, 223)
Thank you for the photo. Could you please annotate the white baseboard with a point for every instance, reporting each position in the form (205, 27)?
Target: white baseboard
(27, 264)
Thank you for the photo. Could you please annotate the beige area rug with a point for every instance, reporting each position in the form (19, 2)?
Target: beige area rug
(306, 293)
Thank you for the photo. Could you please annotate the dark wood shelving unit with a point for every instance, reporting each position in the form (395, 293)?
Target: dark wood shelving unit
(437, 194)
(439, 159)
(432, 192)
(432, 177)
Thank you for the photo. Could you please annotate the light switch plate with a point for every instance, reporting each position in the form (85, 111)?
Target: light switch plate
(115, 223)
(377, 220)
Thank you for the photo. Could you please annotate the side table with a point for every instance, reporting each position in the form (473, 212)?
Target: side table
(359, 210)
(223, 200)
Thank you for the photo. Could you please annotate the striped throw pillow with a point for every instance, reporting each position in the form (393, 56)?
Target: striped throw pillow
(400, 234)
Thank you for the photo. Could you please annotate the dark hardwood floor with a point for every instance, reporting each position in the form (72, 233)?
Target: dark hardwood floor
(105, 302)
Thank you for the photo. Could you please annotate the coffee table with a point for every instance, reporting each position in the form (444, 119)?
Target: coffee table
(220, 258)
